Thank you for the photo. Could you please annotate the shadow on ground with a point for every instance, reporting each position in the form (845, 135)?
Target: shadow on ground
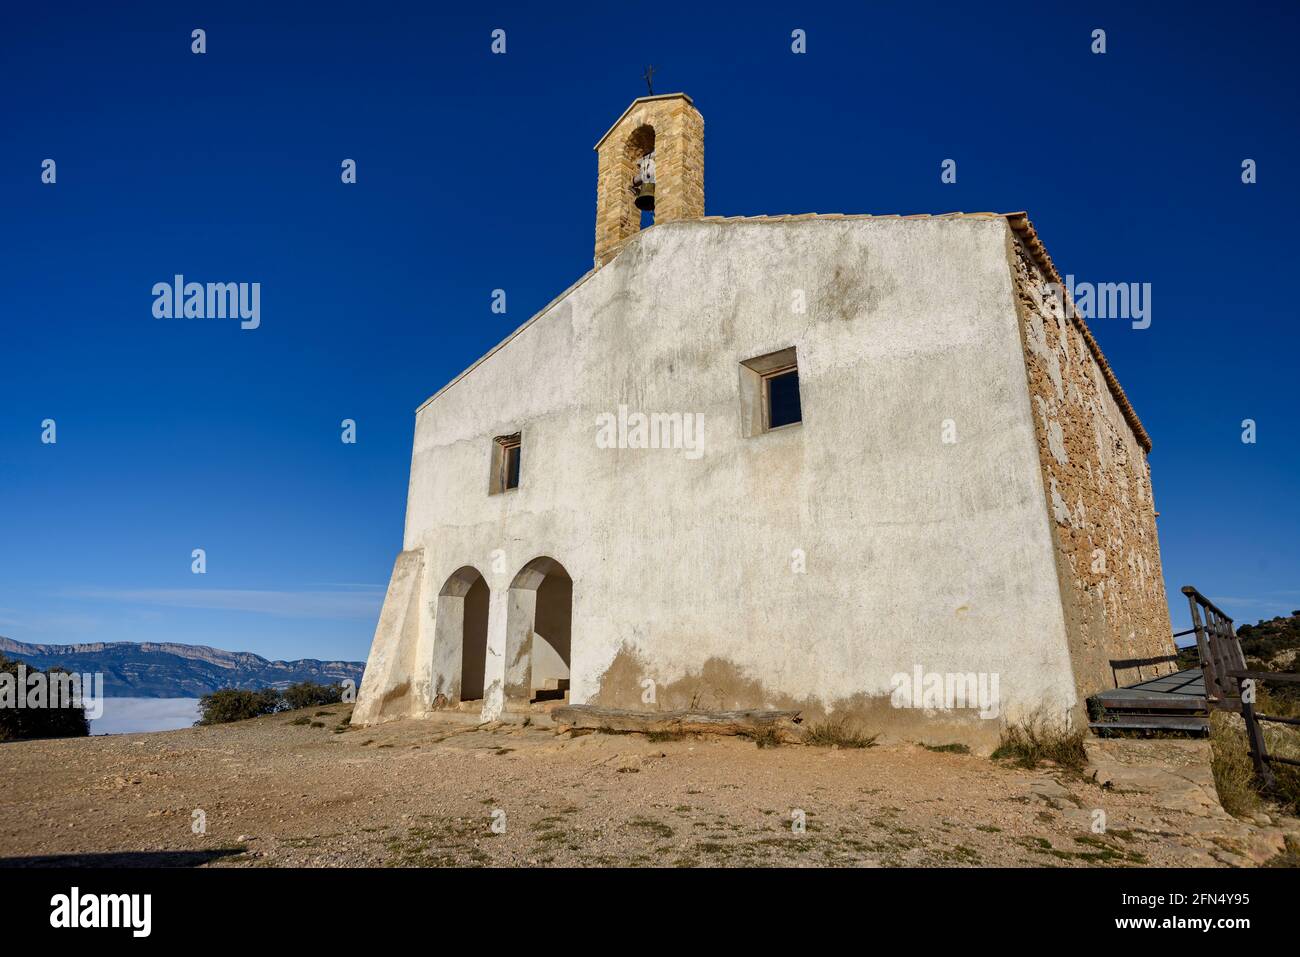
(124, 859)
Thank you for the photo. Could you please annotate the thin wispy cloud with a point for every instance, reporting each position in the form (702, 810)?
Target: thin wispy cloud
(380, 586)
(40, 622)
(1238, 605)
(355, 602)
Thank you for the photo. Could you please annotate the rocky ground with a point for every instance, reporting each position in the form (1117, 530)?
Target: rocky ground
(272, 792)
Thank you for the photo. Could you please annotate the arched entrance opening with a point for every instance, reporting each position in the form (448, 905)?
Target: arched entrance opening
(460, 639)
(539, 633)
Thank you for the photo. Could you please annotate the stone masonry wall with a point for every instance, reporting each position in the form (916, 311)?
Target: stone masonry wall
(679, 169)
(1099, 497)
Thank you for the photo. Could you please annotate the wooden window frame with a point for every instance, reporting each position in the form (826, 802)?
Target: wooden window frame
(502, 446)
(756, 375)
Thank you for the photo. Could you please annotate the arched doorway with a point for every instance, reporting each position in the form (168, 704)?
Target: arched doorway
(539, 633)
(460, 638)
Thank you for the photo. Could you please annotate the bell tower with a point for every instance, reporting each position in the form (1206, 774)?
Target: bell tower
(652, 160)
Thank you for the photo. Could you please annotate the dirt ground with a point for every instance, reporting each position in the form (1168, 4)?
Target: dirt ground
(428, 793)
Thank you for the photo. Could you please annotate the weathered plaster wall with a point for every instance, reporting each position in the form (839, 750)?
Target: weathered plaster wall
(917, 551)
(1099, 496)
(387, 685)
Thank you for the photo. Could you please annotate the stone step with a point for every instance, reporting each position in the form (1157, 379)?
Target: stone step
(534, 719)
(549, 704)
(1150, 722)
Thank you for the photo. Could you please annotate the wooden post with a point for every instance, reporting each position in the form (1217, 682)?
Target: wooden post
(1238, 654)
(1254, 730)
(1221, 665)
(1202, 646)
(1255, 735)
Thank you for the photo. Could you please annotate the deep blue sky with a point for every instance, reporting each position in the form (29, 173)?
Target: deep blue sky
(476, 172)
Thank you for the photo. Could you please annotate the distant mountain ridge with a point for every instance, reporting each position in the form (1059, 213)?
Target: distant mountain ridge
(170, 670)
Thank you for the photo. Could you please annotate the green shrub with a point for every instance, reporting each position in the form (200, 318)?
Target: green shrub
(1267, 639)
(238, 704)
(308, 694)
(22, 724)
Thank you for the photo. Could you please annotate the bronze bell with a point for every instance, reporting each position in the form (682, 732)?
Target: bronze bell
(645, 197)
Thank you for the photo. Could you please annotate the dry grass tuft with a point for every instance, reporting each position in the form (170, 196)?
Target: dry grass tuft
(1234, 774)
(765, 736)
(836, 732)
(659, 736)
(947, 748)
(1290, 857)
(1036, 739)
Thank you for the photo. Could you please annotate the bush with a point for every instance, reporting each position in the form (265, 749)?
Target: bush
(1269, 638)
(308, 694)
(22, 724)
(237, 704)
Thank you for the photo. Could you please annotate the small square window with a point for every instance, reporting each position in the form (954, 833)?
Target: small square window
(769, 393)
(506, 451)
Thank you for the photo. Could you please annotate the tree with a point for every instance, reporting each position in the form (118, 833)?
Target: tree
(22, 724)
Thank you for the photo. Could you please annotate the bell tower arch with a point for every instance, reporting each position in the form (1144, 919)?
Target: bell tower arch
(652, 159)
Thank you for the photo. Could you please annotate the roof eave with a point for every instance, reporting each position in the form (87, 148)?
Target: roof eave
(632, 106)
